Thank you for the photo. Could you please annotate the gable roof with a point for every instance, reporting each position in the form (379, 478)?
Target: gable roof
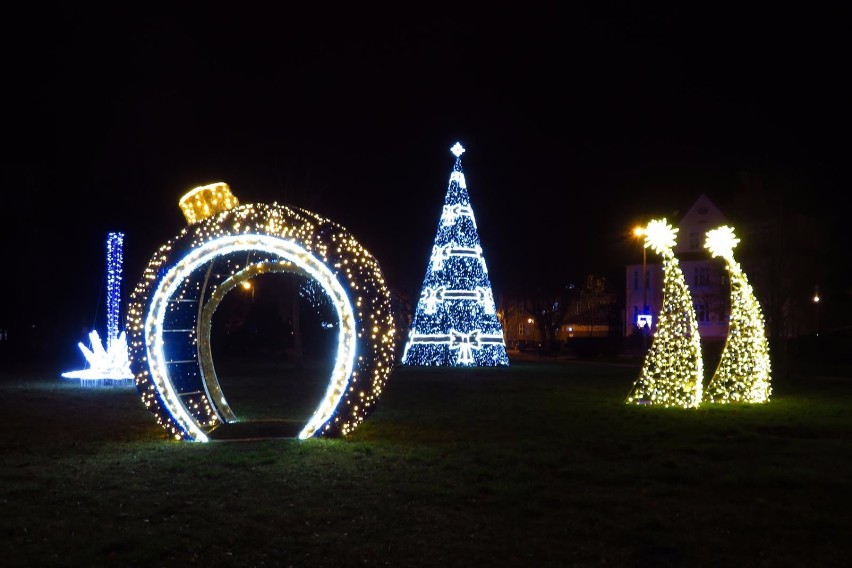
(701, 217)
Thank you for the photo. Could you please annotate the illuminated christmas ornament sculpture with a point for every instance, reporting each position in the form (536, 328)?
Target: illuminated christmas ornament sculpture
(226, 244)
(743, 373)
(110, 366)
(673, 369)
(455, 321)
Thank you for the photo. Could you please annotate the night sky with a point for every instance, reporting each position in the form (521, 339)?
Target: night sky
(577, 124)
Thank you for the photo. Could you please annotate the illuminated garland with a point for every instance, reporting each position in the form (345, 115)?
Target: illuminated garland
(743, 373)
(226, 244)
(115, 246)
(673, 369)
(455, 321)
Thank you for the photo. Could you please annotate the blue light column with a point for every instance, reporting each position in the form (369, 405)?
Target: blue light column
(115, 245)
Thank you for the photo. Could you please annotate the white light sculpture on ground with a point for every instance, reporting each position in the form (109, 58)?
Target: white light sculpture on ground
(110, 365)
(226, 244)
(743, 373)
(455, 321)
(673, 369)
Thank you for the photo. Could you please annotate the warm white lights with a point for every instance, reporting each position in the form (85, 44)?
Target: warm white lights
(721, 242)
(673, 369)
(743, 373)
(207, 200)
(172, 307)
(660, 236)
(672, 373)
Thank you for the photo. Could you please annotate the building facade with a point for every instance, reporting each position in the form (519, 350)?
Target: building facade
(706, 276)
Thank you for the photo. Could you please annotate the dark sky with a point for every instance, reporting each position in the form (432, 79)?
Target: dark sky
(577, 123)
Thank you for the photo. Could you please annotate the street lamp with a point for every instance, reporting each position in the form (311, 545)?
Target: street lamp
(246, 284)
(816, 305)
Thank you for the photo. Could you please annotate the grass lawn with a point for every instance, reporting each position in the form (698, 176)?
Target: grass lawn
(537, 465)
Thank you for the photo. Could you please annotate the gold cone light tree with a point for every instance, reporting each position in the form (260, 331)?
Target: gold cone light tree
(673, 369)
(743, 373)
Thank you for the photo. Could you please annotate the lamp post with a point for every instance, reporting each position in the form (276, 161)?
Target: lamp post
(639, 232)
(644, 280)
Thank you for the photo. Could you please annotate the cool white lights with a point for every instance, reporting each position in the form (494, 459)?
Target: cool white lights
(155, 328)
(455, 321)
(111, 364)
(171, 311)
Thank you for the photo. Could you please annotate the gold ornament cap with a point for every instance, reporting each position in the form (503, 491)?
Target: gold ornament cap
(206, 200)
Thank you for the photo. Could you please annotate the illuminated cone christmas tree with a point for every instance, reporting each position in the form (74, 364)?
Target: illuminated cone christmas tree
(744, 369)
(673, 369)
(455, 321)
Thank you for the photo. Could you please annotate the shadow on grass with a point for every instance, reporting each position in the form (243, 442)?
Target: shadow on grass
(256, 430)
